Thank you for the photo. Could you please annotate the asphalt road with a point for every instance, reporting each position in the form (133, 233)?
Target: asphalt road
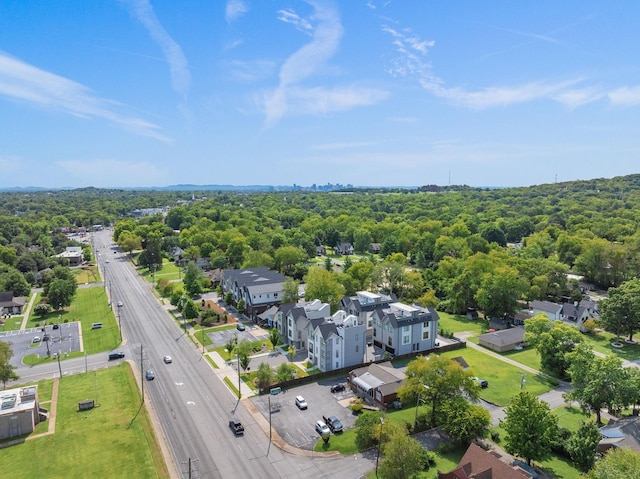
(192, 404)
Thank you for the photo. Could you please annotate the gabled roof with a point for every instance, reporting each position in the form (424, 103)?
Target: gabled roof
(623, 432)
(245, 277)
(480, 464)
(546, 306)
(503, 337)
(384, 372)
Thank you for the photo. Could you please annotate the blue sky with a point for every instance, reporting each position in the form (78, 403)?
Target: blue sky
(397, 92)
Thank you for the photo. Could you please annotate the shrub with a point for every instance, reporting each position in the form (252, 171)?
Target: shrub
(356, 408)
(495, 437)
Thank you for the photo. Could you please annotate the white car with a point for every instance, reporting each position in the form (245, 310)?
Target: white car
(301, 402)
(36, 339)
(167, 359)
(322, 428)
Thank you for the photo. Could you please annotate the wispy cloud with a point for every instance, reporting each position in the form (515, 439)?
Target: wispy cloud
(22, 81)
(142, 11)
(625, 96)
(411, 61)
(235, 9)
(290, 97)
(289, 16)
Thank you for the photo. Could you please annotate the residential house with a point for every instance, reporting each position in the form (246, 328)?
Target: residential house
(336, 342)
(343, 249)
(259, 288)
(377, 383)
(580, 311)
(292, 320)
(321, 251)
(10, 304)
(620, 433)
(504, 340)
(480, 464)
(374, 248)
(19, 411)
(73, 254)
(401, 329)
(363, 304)
(215, 276)
(552, 310)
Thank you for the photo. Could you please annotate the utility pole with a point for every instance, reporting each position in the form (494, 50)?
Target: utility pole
(141, 373)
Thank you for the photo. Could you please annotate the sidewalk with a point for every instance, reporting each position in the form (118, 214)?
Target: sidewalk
(229, 370)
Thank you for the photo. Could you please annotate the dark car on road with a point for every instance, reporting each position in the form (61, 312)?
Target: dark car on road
(150, 375)
(240, 327)
(236, 426)
(337, 388)
(118, 355)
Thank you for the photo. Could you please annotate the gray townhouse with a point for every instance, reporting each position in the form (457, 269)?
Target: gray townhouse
(336, 342)
(292, 320)
(259, 288)
(401, 329)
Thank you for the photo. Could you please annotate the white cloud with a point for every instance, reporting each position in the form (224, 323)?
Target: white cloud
(625, 96)
(25, 82)
(142, 11)
(289, 16)
(579, 96)
(235, 9)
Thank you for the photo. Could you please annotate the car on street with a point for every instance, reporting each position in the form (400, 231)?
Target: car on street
(301, 402)
(150, 375)
(334, 423)
(167, 359)
(55, 326)
(119, 304)
(36, 339)
(336, 388)
(240, 327)
(106, 261)
(117, 355)
(236, 426)
(322, 428)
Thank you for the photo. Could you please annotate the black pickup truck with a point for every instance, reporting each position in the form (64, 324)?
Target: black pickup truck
(236, 426)
(334, 423)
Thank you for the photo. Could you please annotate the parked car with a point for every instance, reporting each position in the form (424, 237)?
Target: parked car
(150, 375)
(96, 325)
(236, 426)
(322, 428)
(334, 423)
(483, 383)
(336, 388)
(36, 339)
(55, 326)
(118, 355)
(167, 359)
(240, 327)
(301, 402)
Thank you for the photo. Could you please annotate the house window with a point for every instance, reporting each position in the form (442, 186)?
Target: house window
(425, 335)
(337, 354)
(375, 331)
(290, 322)
(405, 329)
(357, 348)
(298, 334)
(389, 341)
(275, 295)
(337, 364)
(406, 339)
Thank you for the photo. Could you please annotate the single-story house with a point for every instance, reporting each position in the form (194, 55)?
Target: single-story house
(502, 341)
(377, 383)
(73, 254)
(620, 433)
(321, 251)
(480, 464)
(10, 304)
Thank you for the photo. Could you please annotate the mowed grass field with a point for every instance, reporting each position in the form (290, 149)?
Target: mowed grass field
(114, 439)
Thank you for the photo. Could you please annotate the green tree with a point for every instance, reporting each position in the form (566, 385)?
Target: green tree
(61, 292)
(598, 382)
(151, 256)
(287, 257)
(554, 345)
(285, 372)
(583, 445)
(264, 376)
(193, 279)
(190, 310)
(328, 264)
(531, 427)
(322, 285)
(130, 242)
(274, 337)
(620, 311)
(464, 422)
(291, 351)
(290, 291)
(361, 240)
(403, 457)
(15, 281)
(361, 273)
(437, 381)
(7, 370)
(500, 291)
(231, 343)
(616, 464)
(243, 349)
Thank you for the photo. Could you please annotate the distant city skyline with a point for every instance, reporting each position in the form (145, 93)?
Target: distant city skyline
(139, 93)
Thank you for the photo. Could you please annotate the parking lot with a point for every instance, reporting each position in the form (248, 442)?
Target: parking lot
(251, 333)
(297, 426)
(62, 340)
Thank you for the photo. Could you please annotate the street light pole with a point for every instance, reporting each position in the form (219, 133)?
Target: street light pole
(379, 444)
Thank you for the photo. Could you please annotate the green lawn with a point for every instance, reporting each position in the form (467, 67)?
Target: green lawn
(570, 417)
(504, 379)
(89, 306)
(112, 440)
(601, 342)
(12, 324)
(169, 271)
(450, 323)
(87, 274)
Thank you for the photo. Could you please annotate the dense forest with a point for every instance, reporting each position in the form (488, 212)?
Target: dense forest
(458, 247)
